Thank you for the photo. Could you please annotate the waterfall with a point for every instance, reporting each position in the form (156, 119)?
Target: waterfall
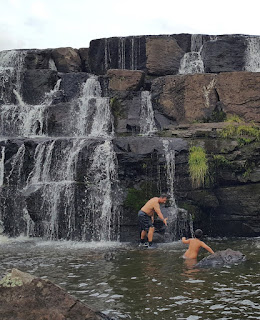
(147, 122)
(11, 67)
(170, 171)
(103, 200)
(15, 174)
(179, 220)
(128, 53)
(252, 54)
(23, 119)
(121, 53)
(2, 168)
(192, 62)
(93, 118)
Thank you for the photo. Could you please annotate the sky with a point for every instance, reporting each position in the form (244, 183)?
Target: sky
(27, 24)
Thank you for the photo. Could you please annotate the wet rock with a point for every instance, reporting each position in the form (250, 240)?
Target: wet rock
(221, 258)
(37, 83)
(25, 297)
(66, 59)
(84, 56)
(122, 80)
(185, 98)
(163, 56)
(239, 93)
(224, 54)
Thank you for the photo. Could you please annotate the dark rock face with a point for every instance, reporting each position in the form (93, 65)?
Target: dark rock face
(117, 53)
(35, 298)
(37, 83)
(224, 54)
(221, 258)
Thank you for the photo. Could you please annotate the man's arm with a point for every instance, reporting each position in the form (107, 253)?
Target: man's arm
(206, 247)
(159, 213)
(184, 240)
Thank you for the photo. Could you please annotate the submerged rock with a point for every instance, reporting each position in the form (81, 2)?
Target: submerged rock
(221, 258)
(25, 297)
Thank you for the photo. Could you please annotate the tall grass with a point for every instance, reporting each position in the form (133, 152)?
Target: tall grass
(198, 166)
(237, 128)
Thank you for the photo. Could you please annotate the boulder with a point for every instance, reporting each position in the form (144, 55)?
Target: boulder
(37, 59)
(185, 98)
(25, 297)
(66, 59)
(37, 83)
(239, 93)
(226, 53)
(163, 56)
(221, 258)
(122, 80)
(197, 97)
(84, 56)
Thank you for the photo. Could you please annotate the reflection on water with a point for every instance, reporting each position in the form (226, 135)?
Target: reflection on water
(131, 283)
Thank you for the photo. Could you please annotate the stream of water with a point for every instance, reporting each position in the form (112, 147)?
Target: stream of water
(127, 282)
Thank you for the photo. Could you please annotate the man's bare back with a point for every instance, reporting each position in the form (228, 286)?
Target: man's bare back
(194, 247)
(151, 206)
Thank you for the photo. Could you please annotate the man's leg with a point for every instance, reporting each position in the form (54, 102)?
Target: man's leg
(143, 235)
(150, 235)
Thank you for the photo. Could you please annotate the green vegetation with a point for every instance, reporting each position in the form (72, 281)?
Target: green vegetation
(216, 116)
(7, 281)
(221, 162)
(244, 132)
(198, 166)
(136, 198)
(116, 107)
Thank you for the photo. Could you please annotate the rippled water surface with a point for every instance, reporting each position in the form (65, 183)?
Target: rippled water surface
(126, 282)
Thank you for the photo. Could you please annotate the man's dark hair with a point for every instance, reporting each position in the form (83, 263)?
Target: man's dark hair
(198, 233)
(164, 195)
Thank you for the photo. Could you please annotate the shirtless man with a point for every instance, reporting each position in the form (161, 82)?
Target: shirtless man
(194, 245)
(146, 217)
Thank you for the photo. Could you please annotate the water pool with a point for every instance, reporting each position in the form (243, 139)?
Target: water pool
(127, 282)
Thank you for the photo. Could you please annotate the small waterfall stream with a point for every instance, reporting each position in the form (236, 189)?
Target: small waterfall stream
(192, 61)
(179, 220)
(252, 59)
(147, 122)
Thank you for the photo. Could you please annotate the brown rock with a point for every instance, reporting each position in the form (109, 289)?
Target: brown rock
(186, 98)
(163, 55)
(239, 93)
(66, 59)
(125, 80)
(35, 298)
(83, 52)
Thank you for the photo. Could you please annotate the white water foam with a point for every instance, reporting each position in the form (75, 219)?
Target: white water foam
(147, 122)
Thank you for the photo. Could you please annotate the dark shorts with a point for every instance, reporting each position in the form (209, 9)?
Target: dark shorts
(145, 221)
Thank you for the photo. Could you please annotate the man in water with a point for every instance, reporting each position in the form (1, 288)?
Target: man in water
(194, 245)
(146, 218)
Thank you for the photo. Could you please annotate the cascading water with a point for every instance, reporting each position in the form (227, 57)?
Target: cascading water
(252, 55)
(67, 187)
(128, 56)
(93, 118)
(2, 161)
(48, 176)
(25, 120)
(147, 122)
(11, 66)
(179, 220)
(103, 191)
(192, 62)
